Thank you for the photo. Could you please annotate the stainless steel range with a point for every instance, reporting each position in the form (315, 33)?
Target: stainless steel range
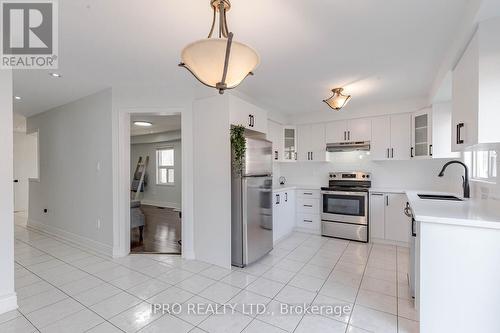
(344, 212)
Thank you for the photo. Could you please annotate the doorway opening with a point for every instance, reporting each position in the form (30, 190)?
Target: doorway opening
(155, 184)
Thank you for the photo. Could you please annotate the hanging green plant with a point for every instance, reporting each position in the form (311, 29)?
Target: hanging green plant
(238, 144)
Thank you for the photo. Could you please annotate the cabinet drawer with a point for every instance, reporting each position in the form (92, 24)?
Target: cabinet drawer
(308, 221)
(309, 206)
(309, 194)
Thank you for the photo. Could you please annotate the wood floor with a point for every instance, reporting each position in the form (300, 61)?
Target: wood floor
(161, 233)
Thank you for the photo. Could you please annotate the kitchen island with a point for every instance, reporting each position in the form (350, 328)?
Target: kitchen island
(457, 264)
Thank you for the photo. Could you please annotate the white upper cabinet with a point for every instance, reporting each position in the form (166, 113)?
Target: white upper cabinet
(381, 138)
(248, 115)
(336, 131)
(289, 134)
(275, 135)
(476, 86)
(441, 131)
(311, 143)
(391, 136)
(421, 134)
(349, 131)
(359, 129)
(400, 136)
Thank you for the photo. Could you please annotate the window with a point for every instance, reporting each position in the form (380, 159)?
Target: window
(482, 164)
(165, 166)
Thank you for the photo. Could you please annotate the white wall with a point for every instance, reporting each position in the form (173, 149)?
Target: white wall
(349, 112)
(25, 167)
(75, 145)
(8, 299)
(154, 194)
(212, 181)
(414, 174)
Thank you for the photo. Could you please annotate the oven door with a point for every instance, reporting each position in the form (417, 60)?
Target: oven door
(347, 207)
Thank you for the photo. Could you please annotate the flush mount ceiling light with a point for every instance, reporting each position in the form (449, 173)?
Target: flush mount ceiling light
(143, 123)
(55, 75)
(338, 100)
(220, 63)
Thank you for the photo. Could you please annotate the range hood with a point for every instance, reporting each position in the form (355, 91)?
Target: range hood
(348, 146)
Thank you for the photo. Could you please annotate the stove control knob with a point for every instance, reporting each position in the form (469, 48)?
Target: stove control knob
(364, 176)
(334, 176)
(367, 176)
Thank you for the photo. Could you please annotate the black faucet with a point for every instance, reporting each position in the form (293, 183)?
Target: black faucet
(464, 178)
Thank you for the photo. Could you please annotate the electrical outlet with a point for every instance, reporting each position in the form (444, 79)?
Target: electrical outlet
(98, 223)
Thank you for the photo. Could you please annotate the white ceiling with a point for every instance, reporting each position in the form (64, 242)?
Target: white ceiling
(378, 50)
(160, 124)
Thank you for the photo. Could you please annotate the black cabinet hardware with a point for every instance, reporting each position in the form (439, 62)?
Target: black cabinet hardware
(286, 197)
(392, 152)
(277, 199)
(459, 133)
(430, 150)
(411, 152)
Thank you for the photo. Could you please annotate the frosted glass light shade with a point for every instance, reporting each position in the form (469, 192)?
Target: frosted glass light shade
(205, 60)
(338, 100)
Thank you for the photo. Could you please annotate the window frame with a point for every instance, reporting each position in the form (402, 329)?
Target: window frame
(471, 159)
(165, 167)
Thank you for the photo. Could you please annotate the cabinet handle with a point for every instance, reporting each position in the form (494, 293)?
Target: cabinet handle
(277, 199)
(392, 152)
(378, 194)
(312, 156)
(387, 200)
(388, 152)
(411, 152)
(430, 150)
(307, 193)
(459, 133)
(295, 155)
(308, 221)
(276, 155)
(286, 196)
(249, 120)
(345, 135)
(349, 135)
(413, 231)
(310, 206)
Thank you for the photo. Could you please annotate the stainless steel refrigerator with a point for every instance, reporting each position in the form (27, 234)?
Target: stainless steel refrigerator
(252, 205)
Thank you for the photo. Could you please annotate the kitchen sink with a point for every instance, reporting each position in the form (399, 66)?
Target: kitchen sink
(439, 197)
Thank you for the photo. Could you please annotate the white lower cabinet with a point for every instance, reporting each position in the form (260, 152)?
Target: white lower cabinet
(283, 213)
(388, 223)
(308, 211)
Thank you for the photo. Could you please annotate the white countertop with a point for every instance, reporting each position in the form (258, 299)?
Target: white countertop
(470, 212)
(387, 190)
(289, 187)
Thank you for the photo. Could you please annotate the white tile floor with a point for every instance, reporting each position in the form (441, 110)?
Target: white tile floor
(64, 289)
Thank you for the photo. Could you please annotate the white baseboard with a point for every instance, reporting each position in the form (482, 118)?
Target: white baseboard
(161, 204)
(8, 303)
(74, 239)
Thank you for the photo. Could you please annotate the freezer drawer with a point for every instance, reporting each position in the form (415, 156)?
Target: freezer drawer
(349, 231)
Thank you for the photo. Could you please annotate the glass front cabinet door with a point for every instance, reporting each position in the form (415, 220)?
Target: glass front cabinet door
(421, 135)
(290, 141)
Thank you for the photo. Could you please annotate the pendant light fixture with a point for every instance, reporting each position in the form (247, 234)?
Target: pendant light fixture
(338, 100)
(220, 63)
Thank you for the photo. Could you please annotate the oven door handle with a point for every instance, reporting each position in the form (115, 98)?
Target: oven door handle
(357, 194)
